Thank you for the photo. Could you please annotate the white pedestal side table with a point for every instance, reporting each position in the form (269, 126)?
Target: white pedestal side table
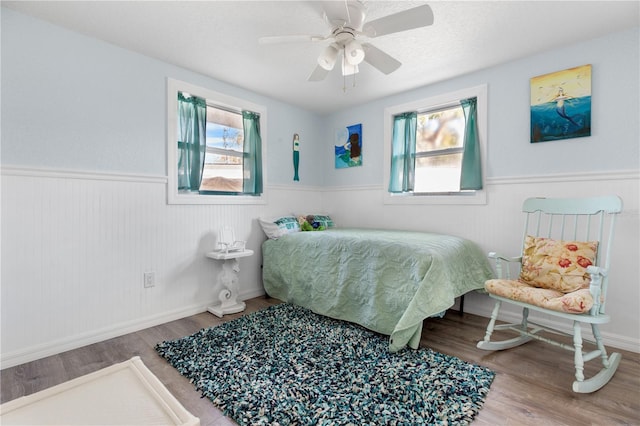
(229, 280)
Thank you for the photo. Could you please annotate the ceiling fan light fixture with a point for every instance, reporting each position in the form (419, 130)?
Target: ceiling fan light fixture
(347, 21)
(354, 53)
(348, 69)
(328, 58)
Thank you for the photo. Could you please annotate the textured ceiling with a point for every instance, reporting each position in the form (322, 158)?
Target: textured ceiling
(220, 39)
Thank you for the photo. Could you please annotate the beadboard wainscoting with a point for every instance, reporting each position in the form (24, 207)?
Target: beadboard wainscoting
(497, 226)
(76, 246)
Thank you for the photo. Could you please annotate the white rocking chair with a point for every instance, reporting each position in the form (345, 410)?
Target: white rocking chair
(563, 273)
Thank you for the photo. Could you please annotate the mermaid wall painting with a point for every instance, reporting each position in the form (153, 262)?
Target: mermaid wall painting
(348, 147)
(561, 105)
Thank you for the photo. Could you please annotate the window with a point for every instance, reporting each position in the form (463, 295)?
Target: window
(428, 156)
(223, 160)
(439, 143)
(215, 146)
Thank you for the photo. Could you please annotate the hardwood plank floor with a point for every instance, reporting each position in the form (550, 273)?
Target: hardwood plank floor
(532, 385)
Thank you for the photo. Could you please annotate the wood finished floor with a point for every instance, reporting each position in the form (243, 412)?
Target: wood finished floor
(532, 385)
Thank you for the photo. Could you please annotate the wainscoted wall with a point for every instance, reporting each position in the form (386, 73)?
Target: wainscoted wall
(497, 226)
(76, 246)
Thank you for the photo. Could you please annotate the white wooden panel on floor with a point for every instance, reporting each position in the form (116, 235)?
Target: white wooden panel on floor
(127, 393)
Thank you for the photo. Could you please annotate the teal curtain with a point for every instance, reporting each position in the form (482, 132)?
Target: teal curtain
(403, 150)
(471, 173)
(252, 167)
(192, 126)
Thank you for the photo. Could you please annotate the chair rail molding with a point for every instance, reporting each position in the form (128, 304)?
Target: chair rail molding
(42, 172)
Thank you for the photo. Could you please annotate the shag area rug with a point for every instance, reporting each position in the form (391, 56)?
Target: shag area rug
(288, 366)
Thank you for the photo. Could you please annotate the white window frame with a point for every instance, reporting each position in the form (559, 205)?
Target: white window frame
(422, 105)
(223, 101)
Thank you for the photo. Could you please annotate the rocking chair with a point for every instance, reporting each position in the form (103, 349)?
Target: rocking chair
(563, 273)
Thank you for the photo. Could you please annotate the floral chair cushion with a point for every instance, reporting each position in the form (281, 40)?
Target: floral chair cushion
(557, 265)
(577, 302)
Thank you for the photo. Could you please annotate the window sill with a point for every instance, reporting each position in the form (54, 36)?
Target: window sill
(216, 199)
(477, 198)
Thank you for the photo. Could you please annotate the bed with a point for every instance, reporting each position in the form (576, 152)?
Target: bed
(387, 281)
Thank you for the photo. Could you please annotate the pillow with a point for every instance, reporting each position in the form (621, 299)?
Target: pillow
(275, 228)
(322, 220)
(557, 265)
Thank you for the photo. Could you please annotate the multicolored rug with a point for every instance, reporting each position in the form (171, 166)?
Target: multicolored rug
(288, 366)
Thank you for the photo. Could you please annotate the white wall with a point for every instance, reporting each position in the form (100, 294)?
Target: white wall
(75, 247)
(84, 210)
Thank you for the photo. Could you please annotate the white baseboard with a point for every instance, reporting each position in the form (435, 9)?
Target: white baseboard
(41, 351)
(251, 294)
(52, 348)
(37, 352)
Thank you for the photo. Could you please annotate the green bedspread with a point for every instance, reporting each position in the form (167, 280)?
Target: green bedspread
(386, 281)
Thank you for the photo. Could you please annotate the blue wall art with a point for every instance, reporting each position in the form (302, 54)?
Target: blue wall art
(561, 105)
(348, 146)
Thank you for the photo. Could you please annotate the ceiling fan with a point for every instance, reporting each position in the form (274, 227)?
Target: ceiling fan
(347, 24)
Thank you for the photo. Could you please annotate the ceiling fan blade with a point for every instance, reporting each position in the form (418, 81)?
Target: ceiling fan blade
(416, 17)
(336, 12)
(290, 39)
(318, 74)
(344, 13)
(380, 60)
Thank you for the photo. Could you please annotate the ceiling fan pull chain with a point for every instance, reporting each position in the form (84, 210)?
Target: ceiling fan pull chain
(344, 77)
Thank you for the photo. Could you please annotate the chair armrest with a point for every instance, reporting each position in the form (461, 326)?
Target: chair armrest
(500, 260)
(496, 256)
(597, 270)
(595, 288)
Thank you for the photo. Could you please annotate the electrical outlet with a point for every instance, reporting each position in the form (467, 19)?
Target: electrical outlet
(149, 279)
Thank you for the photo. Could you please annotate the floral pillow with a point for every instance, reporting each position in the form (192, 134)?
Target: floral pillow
(275, 228)
(557, 265)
